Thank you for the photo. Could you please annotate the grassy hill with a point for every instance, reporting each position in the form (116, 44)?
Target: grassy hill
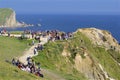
(51, 57)
(11, 48)
(4, 15)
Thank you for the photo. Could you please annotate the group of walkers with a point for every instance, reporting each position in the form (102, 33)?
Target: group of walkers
(57, 35)
(39, 47)
(51, 34)
(31, 66)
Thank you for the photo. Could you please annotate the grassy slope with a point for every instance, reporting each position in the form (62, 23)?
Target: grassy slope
(9, 48)
(104, 57)
(51, 58)
(4, 14)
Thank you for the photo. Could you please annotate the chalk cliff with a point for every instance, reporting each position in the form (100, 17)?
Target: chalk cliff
(8, 18)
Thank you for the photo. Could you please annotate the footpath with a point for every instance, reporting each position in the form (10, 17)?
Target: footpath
(30, 53)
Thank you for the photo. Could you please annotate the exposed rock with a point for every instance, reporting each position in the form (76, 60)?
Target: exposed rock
(91, 69)
(8, 18)
(65, 53)
(84, 62)
(11, 21)
(101, 38)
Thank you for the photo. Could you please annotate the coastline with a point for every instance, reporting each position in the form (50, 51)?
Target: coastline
(17, 25)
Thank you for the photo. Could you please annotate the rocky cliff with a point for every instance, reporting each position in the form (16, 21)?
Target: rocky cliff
(93, 69)
(11, 21)
(101, 38)
(7, 18)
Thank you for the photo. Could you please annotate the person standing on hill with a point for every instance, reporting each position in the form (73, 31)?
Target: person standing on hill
(35, 51)
(33, 42)
(13, 62)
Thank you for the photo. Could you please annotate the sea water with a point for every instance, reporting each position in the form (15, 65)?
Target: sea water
(70, 23)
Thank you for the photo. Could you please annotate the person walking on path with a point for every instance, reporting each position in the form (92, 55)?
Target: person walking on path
(35, 51)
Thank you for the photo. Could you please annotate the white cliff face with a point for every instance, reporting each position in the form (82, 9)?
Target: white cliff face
(8, 18)
(11, 21)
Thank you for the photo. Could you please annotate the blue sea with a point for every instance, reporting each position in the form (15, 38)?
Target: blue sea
(70, 23)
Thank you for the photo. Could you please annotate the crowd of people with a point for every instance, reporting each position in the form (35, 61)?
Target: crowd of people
(31, 66)
(3, 31)
(52, 35)
(39, 47)
(57, 35)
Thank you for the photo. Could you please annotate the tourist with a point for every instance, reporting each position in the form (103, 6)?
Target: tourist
(38, 65)
(13, 62)
(33, 42)
(35, 51)
(8, 34)
(27, 68)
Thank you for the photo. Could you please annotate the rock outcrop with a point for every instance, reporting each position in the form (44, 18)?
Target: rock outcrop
(83, 59)
(101, 38)
(8, 18)
(11, 21)
(87, 66)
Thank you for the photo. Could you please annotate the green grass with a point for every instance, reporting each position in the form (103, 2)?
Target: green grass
(51, 58)
(104, 57)
(4, 15)
(10, 48)
(107, 61)
(10, 72)
(115, 55)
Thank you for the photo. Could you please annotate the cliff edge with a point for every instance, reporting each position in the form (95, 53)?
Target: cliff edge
(8, 18)
(101, 38)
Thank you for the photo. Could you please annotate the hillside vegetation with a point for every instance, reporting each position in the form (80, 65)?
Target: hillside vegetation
(79, 59)
(12, 48)
(51, 58)
(5, 13)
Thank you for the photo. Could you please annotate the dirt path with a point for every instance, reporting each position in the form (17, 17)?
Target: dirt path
(27, 53)
(47, 73)
(30, 52)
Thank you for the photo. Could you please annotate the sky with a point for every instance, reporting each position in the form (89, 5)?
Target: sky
(63, 6)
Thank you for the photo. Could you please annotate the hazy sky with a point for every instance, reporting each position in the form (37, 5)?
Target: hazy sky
(63, 6)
